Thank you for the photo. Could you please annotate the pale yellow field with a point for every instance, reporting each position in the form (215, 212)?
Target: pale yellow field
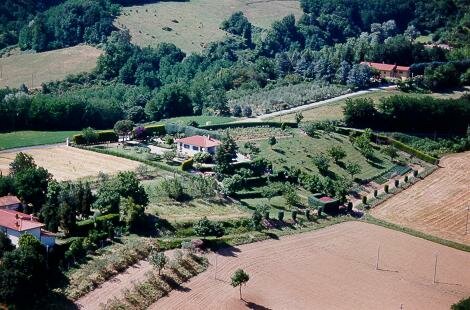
(32, 69)
(196, 23)
(68, 163)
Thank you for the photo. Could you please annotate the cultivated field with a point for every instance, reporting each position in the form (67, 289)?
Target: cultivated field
(332, 268)
(195, 23)
(35, 68)
(68, 163)
(436, 205)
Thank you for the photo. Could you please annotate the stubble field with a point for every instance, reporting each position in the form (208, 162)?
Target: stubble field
(436, 205)
(332, 268)
(32, 69)
(68, 163)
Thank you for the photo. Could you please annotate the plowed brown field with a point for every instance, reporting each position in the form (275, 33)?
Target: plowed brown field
(69, 163)
(332, 268)
(436, 205)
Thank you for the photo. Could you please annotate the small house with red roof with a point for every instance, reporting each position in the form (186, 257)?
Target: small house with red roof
(196, 144)
(388, 71)
(10, 202)
(14, 224)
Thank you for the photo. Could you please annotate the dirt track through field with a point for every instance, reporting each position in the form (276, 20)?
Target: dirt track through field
(436, 205)
(332, 268)
(69, 163)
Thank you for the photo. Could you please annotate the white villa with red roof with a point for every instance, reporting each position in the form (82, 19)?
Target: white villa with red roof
(195, 144)
(388, 71)
(14, 224)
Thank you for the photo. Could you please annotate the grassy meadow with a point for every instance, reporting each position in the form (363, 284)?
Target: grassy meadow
(32, 69)
(191, 25)
(16, 139)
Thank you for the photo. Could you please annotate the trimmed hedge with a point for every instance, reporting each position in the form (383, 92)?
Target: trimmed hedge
(249, 124)
(83, 227)
(187, 164)
(155, 130)
(110, 135)
(399, 145)
(103, 136)
(408, 149)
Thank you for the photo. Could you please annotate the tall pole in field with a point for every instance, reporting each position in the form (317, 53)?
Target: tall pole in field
(435, 270)
(466, 222)
(215, 272)
(378, 257)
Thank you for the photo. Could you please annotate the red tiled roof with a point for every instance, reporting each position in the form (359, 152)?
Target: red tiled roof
(385, 67)
(8, 201)
(403, 68)
(326, 199)
(18, 221)
(201, 141)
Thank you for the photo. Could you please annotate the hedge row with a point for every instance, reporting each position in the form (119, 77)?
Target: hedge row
(187, 164)
(110, 135)
(155, 130)
(249, 124)
(128, 156)
(399, 145)
(103, 136)
(408, 149)
(83, 227)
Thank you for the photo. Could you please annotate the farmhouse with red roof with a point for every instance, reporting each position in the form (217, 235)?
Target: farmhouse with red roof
(14, 224)
(388, 71)
(195, 144)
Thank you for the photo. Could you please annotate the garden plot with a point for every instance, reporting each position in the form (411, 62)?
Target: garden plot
(332, 268)
(68, 163)
(436, 205)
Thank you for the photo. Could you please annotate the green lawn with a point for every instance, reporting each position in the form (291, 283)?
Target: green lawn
(298, 151)
(29, 138)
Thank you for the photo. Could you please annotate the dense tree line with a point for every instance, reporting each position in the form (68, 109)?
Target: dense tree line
(68, 24)
(410, 114)
(143, 84)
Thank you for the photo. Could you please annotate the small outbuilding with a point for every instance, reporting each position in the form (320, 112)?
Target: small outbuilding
(327, 204)
(10, 202)
(196, 144)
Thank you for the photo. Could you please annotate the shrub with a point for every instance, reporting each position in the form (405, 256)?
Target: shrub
(205, 228)
(307, 214)
(294, 215)
(155, 130)
(102, 136)
(187, 164)
(386, 188)
(266, 215)
(173, 189)
(280, 215)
